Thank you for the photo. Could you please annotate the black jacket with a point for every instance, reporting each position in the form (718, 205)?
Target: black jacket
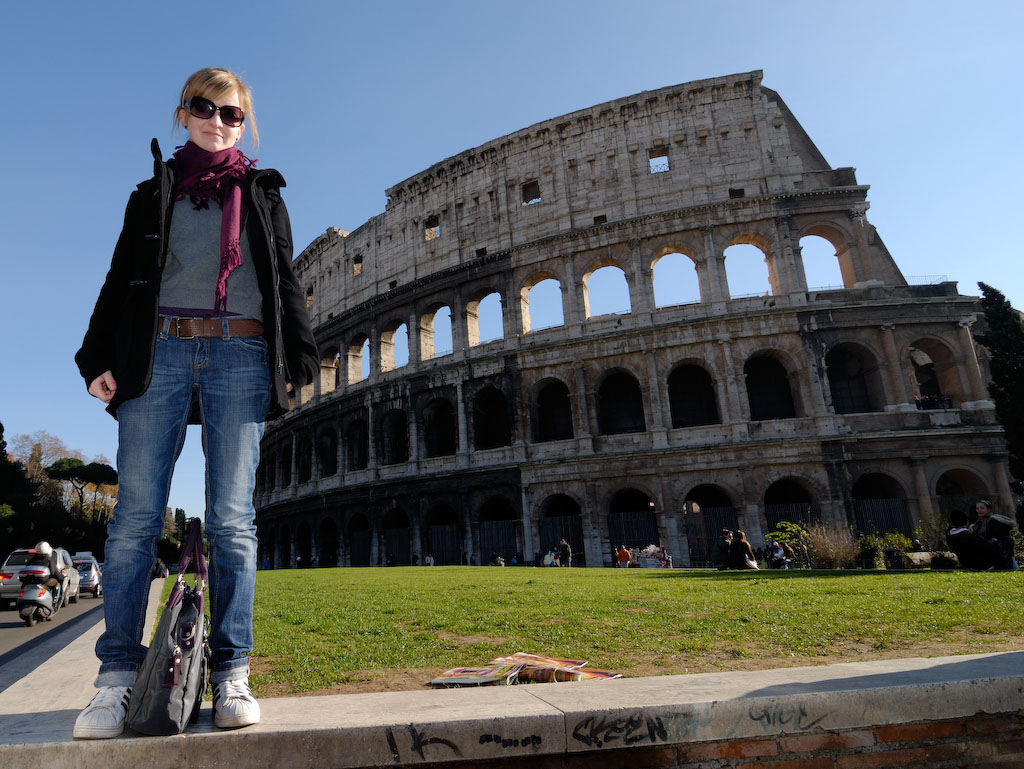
(122, 331)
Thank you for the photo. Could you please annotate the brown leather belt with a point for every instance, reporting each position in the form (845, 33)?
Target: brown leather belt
(189, 328)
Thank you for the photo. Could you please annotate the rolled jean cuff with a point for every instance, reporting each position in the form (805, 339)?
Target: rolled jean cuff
(238, 671)
(116, 678)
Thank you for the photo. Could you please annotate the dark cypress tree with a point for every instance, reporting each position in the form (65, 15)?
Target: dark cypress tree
(1003, 336)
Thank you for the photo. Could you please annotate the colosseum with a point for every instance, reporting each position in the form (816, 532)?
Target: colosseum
(474, 398)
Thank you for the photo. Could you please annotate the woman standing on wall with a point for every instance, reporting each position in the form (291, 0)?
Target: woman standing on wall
(199, 320)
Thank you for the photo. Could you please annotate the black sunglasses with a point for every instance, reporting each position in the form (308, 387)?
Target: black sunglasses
(204, 109)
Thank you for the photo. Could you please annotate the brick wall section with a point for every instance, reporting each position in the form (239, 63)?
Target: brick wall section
(983, 742)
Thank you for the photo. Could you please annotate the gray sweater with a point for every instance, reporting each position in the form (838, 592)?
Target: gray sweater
(193, 262)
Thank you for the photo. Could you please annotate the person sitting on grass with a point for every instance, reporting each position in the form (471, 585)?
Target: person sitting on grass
(741, 555)
(720, 550)
(996, 528)
(972, 551)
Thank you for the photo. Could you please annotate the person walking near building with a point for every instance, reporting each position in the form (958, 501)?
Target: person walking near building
(200, 320)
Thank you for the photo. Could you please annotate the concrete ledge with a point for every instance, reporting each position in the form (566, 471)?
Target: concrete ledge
(537, 721)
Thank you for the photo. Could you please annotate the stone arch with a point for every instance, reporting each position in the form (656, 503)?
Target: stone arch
(842, 243)
(880, 504)
(632, 519)
(959, 488)
(492, 420)
(357, 448)
(304, 460)
(437, 331)
(357, 354)
(329, 370)
(303, 545)
(769, 391)
(397, 538)
(613, 281)
(675, 277)
(561, 517)
(358, 535)
(934, 374)
(394, 345)
(284, 547)
(501, 530)
(442, 535)
(286, 465)
(552, 411)
(707, 508)
(539, 298)
(485, 320)
(854, 379)
(620, 404)
(271, 471)
(327, 452)
(327, 543)
(790, 499)
(393, 437)
(440, 437)
(743, 270)
(692, 397)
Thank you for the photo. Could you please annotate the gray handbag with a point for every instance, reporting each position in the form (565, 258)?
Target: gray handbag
(170, 684)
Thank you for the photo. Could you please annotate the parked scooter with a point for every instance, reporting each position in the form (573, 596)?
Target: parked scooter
(37, 602)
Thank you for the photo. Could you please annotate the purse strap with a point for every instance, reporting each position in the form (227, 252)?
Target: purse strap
(191, 551)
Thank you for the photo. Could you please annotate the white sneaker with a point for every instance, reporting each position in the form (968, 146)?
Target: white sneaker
(234, 705)
(104, 716)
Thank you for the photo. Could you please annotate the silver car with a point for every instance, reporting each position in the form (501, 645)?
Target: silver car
(90, 572)
(10, 585)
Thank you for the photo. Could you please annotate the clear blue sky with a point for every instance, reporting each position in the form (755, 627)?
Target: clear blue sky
(923, 98)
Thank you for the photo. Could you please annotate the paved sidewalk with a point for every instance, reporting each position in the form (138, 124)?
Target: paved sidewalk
(452, 725)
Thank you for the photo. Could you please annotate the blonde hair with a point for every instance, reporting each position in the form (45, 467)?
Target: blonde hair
(213, 83)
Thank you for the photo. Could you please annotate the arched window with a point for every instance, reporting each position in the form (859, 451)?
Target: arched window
(442, 336)
(788, 500)
(484, 322)
(853, 379)
(491, 420)
(358, 359)
(304, 460)
(561, 518)
(959, 490)
(554, 413)
(707, 510)
(272, 472)
(691, 395)
(768, 390)
(359, 540)
(442, 536)
(329, 366)
(821, 264)
(880, 505)
(286, 466)
(632, 521)
(394, 347)
(394, 437)
(500, 530)
(327, 452)
(327, 543)
(543, 306)
(746, 269)
(397, 539)
(936, 378)
(439, 434)
(606, 292)
(357, 454)
(620, 405)
(675, 280)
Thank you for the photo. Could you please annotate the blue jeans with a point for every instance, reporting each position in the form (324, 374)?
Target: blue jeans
(229, 379)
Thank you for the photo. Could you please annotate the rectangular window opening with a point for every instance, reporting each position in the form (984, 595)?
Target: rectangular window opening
(393, 284)
(658, 160)
(531, 193)
(481, 252)
(309, 297)
(357, 265)
(432, 228)
(737, 192)
(602, 219)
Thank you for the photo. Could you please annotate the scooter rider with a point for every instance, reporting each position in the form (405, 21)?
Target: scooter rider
(45, 556)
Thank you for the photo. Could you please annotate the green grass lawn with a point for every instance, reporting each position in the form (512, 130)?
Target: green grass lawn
(394, 628)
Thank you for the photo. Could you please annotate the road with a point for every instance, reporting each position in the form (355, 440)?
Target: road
(45, 639)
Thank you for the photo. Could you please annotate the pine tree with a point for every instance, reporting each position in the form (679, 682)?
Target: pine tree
(1003, 337)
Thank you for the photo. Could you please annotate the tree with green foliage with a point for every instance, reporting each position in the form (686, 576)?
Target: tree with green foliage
(1002, 334)
(80, 475)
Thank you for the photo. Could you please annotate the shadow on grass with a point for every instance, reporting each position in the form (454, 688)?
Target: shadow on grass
(746, 574)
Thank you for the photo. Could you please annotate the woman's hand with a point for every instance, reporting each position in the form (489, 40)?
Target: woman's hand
(288, 386)
(103, 387)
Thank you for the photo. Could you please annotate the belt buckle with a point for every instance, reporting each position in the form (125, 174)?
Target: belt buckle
(177, 326)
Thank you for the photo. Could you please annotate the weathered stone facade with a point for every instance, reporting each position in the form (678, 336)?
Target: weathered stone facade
(865, 403)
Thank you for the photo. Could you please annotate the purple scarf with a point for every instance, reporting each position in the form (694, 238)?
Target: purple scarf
(203, 176)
